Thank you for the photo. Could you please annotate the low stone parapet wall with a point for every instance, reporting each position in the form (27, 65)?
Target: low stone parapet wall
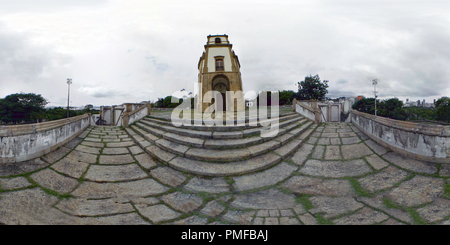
(136, 114)
(421, 141)
(306, 109)
(24, 142)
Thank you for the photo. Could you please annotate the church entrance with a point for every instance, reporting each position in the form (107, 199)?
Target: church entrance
(221, 84)
(222, 89)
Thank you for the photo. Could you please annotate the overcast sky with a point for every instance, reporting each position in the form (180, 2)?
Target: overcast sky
(119, 51)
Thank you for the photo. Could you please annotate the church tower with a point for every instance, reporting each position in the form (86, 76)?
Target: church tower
(219, 70)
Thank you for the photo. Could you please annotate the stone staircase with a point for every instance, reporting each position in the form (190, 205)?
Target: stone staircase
(220, 150)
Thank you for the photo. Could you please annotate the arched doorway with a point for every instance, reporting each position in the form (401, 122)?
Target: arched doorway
(220, 84)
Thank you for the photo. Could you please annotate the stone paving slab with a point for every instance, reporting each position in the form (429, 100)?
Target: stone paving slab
(130, 189)
(116, 159)
(115, 173)
(71, 167)
(14, 183)
(52, 180)
(335, 169)
(265, 178)
(369, 185)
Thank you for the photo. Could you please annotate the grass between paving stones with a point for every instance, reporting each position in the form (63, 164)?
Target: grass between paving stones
(360, 191)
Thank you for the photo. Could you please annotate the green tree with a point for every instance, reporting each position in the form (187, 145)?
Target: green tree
(442, 106)
(392, 108)
(286, 97)
(21, 107)
(366, 105)
(312, 88)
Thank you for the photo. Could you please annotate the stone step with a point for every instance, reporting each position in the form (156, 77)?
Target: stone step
(218, 142)
(259, 156)
(161, 121)
(224, 151)
(158, 130)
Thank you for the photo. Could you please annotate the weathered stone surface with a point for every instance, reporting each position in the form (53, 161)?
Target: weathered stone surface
(120, 144)
(335, 169)
(319, 186)
(215, 185)
(168, 176)
(329, 135)
(301, 154)
(218, 169)
(376, 162)
(83, 207)
(377, 203)
(94, 139)
(217, 155)
(365, 216)
(136, 150)
(157, 213)
(288, 148)
(29, 206)
(93, 144)
(323, 141)
(88, 149)
(410, 164)
(116, 159)
(239, 217)
(312, 140)
(73, 143)
(192, 220)
(115, 173)
(444, 170)
(159, 153)
(384, 179)
(435, 212)
(350, 140)
(355, 151)
(332, 152)
(145, 161)
(183, 202)
(335, 141)
(127, 190)
(119, 219)
(52, 180)
(115, 151)
(267, 199)
(212, 209)
(333, 206)
(56, 155)
(22, 167)
(380, 150)
(71, 167)
(14, 183)
(318, 152)
(265, 178)
(418, 190)
(308, 219)
(82, 156)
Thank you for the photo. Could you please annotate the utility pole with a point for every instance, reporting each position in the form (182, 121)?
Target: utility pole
(374, 82)
(69, 81)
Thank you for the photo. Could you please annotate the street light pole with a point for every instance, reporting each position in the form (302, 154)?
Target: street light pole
(374, 82)
(69, 81)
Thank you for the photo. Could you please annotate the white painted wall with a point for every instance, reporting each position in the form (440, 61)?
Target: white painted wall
(219, 51)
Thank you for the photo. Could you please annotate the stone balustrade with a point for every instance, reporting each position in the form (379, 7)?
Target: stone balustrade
(27, 141)
(421, 141)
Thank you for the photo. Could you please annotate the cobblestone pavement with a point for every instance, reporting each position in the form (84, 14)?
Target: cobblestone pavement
(338, 176)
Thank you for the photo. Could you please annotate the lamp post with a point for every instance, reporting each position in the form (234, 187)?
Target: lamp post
(69, 81)
(374, 82)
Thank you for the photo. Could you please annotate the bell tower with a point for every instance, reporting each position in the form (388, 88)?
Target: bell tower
(219, 70)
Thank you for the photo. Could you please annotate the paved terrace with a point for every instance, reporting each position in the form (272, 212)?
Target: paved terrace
(336, 176)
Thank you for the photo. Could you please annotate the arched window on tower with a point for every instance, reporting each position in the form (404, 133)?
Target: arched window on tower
(219, 64)
(217, 40)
